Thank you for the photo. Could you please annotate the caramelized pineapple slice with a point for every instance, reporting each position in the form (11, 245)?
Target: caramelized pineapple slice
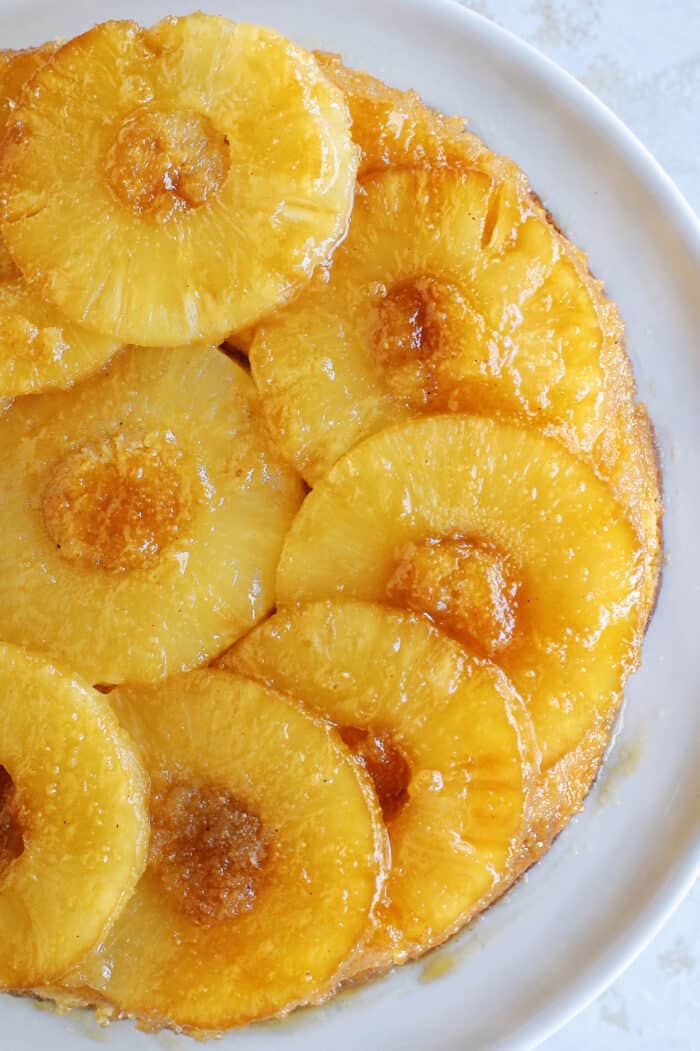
(453, 293)
(561, 793)
(442, 514)
(267, 856)
(142, 517)
(449, 293)
(39, 348)
(73, 819)
(175, 184)
(446, 739)
(393, 127)
(16, 69)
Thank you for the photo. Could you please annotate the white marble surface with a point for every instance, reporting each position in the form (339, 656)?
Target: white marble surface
(642, 57)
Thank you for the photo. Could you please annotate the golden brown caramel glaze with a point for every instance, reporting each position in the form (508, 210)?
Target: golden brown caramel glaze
(8, 267)
(628, 458)
(561, 792)
(11, 839)
(394, 127)
(39, 350)
(454, 292)
(626, 454)
(268, 860)
(208, 850)
(406, 327)
(572, 549)
(384, 762)
(115, 506)
(467, 589)
(168, 501)
(174, 185)
(418, 326)
(240, 341)
(74, 793)
(16, 69)
(20, 334)
(457, 809)
(162, 162)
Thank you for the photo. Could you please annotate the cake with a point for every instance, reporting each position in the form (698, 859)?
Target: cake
(331, 524)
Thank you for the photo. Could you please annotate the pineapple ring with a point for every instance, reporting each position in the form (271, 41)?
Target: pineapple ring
(393, 127)
(200, 174)
(463, 732)
(448, 481)
(268, 858)
(73, 820)
(39, 348)
(453, 293)
(143, 515)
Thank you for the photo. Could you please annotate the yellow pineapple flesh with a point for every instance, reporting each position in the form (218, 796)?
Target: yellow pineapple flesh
(16, 69)
(459, 601)
(421, 492)
(393, 127)
(73, 819)
(452, 292)
(175, 184)
(268, 854)
(143, 515)
(445, 737)
(39, 348)
(561, 793)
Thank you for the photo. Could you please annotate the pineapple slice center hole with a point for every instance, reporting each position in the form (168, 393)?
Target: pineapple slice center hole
(116, 506)
(418, 325)
(11, 839)
(468, 589)
(385, 764)
(208, 850)
(164, 162)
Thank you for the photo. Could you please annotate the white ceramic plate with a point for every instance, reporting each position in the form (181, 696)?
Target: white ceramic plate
(617, 872)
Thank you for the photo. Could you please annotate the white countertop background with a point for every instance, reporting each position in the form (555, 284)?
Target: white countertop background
(641, 57)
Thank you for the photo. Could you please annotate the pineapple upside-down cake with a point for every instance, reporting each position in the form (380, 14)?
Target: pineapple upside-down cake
(331, 524)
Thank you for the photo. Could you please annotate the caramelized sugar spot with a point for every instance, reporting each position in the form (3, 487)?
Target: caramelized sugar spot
(467, 589)
(418, 326)
(11, 841)
(115, 505)
(208, 850)
(8, 268)
(167, 161)
(385, 764)
(23, 339)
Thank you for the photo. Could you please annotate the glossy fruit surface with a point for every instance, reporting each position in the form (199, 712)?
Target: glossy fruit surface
(39, 348)
(267, 857)
(396, 128)
(453, 292)
(420, 515)
(143, 515)
(172, 185)
(445, 738)
(73, 819)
